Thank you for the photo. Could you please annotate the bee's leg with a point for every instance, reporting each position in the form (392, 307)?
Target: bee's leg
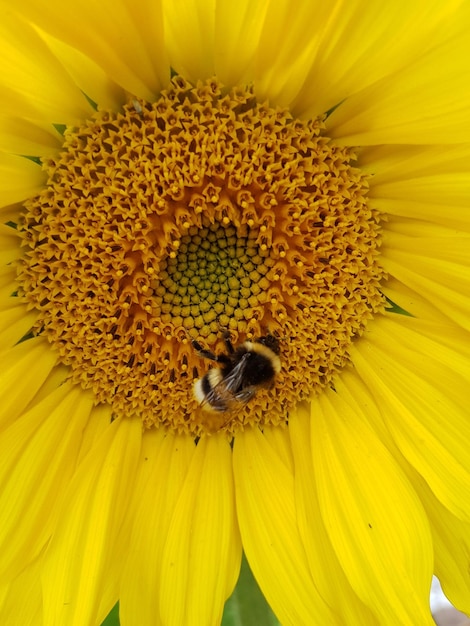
(228, 342)
(206, 354)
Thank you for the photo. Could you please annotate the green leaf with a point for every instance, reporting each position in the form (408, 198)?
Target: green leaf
(113, 617)
(247, 606)
(394, 308)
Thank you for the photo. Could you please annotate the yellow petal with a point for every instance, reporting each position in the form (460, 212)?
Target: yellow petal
(9, 246)
(423, 398)
(15, 323)
(427, 241)
(428, 183)
(237, 33)
(278, 439)
(85, 73)
(21, 136)
(425, 102)
(59, 375)
(11, 214)
(287, 47)
(412, 302)
(423, 231)
(266, 503)
(78, 556)
(202, 553)
(19, 179)
(324, 565)
(111, 585)
(437, 268)
(8, 286)
(24, 369)
(37, 459)
(124, 40)
(22, 599)
(13, 309)
(447, 344)
(451, 538)
(357, 46)
(374, 520)
(35, 85)
(100, 418)
(166, 460)
(189, 36)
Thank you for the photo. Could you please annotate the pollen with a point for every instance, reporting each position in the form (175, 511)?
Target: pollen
(202, 213)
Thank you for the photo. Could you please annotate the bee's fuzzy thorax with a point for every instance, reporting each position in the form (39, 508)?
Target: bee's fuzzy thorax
(241, 372)
(270, 355)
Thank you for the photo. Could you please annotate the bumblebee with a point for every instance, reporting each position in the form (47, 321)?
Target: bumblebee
(241, 372)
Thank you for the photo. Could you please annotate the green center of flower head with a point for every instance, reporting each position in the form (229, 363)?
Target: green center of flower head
(201, 214)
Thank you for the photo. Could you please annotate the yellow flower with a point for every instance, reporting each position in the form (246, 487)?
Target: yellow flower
(176, 172)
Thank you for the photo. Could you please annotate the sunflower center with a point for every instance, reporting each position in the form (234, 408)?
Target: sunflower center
(215, 280)
(202, 213)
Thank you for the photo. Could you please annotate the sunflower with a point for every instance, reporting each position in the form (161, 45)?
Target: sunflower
(182, 177)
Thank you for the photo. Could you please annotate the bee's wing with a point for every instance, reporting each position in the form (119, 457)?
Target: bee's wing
(225, 394)
(234, 379)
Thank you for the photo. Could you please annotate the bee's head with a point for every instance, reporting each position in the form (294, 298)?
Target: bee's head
(271, 342)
